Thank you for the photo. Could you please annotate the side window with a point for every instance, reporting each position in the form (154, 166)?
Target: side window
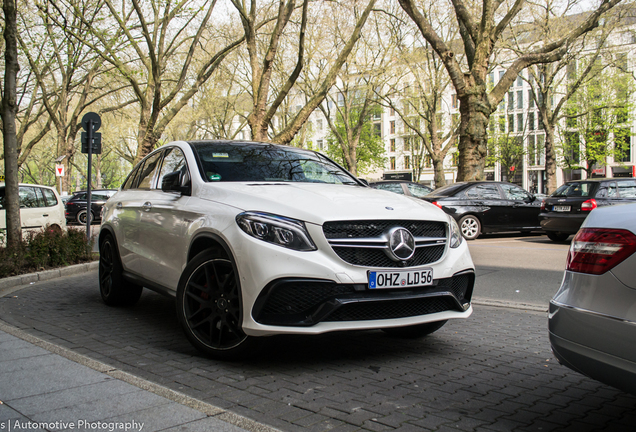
(393, 187)
(149, 171)
(484, 191)
(28, 198)
(627, 189)
(602, 191)
(417, 190)
(49, 197)
(173, 161)
(130, 181)
(472, 193)
(514, 193)
(612, 190)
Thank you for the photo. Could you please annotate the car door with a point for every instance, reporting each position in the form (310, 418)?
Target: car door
(486, 201)
(522, 208)
(32, 211)
(165, 218)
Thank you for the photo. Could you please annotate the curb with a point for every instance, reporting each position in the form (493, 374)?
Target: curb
(14, 283)
(175, 396)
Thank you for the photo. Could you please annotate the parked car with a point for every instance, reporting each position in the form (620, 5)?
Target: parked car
(76, 205)
(256, 239)
(403, 187)
(565, 210)
(40, 206)
(592, 319)
(488, 206)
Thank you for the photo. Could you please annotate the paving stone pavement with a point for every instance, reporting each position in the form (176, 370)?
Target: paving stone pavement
(492, 372)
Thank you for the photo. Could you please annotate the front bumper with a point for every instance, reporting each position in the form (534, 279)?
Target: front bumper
(291, 292)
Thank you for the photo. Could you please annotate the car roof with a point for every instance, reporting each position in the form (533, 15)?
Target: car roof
(240, 143)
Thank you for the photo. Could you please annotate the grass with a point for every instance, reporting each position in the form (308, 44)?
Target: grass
(45, 250)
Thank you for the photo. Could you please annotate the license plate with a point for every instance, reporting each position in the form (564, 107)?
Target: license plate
(400, 279)
(561, 208)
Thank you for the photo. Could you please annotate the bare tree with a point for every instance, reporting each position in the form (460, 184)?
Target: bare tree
(262, 65)
(482, 25)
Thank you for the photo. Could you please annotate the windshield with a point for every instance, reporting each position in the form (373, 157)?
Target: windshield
(250, 162)
(575, 189)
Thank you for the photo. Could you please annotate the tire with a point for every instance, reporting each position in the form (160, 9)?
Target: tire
(470, 227)
(80, 218)
(557, 236)
(114, 289)
(415, 331)
(209, 307)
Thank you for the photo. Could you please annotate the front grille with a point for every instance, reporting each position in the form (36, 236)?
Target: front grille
(298, 297)
(392, 309)
(377, 258)
(366, 243)
(371, 229)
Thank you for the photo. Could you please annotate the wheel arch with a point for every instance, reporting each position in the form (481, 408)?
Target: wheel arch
(205, 241)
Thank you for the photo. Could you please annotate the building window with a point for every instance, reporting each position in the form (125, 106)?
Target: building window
(623, 143)
(454, 103)
(502, 124)
(392, 163)
(392, 127)
(320, 144)
(407, 143)
(520, 80)
(392, 112)
(392, 145)
(501, 74)
(377, 129)
(531, 121)
(407, 162)
(511, 101)
(520, 122)
(511, 122)
(319, 124)
(520, 99)
(530, 99)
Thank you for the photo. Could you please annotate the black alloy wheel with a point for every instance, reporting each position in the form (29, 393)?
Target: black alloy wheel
(81, 217)
(415, 331)
(114, 289)
(557, 236)
(209, 307)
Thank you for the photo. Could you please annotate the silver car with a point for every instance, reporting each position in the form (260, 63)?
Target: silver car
(592, 318)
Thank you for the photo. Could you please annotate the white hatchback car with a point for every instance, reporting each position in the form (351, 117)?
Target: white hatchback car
(256, 239)
(40, 206)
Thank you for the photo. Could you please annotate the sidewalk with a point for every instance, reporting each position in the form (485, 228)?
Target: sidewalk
(47, 387)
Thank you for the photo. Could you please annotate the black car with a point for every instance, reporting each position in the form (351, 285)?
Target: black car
(403, 187)
(563, 212)
(76, 205)
(488, 206)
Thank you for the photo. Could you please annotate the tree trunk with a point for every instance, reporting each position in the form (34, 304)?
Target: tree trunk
(9, 131)
(550, 160)
(473, 136)
(438, 169)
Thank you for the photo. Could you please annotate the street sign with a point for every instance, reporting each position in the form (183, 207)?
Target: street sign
(59, 170)
(1, 178)
(95, 118)
(96, 143)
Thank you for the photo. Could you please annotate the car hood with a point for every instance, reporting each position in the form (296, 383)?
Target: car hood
(318, 203)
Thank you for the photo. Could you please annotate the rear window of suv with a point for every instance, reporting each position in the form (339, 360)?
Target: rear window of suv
(575, 189)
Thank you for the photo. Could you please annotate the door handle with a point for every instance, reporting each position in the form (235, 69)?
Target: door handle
(147, 206)
(45, 215)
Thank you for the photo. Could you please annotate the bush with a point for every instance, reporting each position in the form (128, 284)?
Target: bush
(45, 249)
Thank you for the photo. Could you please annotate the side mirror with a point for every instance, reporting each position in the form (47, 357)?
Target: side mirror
(530, 198)
(363, 181)
(174, 182)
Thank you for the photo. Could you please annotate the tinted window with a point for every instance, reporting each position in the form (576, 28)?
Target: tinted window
(173, 161)
(149, 171)
(130, 181)
(28, 197)
(515, 193)
(575, 189)
(627, 189)
(484, 191)
(417, 190)
(49, 197)
(261, 162)
(449, 190)
(612, 192)
(393, 187)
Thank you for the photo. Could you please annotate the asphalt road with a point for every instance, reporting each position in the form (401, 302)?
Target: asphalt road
(526, 269)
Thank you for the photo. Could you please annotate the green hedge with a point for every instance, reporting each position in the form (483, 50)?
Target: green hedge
(44, 250)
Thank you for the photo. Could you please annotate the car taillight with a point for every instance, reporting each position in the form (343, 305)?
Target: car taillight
(589, 205)
(542, 205)
(597, 250)
(437, 204)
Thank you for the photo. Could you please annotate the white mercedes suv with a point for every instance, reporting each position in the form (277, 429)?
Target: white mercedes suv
(256, 239)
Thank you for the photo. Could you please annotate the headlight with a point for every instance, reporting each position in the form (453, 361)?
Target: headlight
(455, 234)
(281, 231)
